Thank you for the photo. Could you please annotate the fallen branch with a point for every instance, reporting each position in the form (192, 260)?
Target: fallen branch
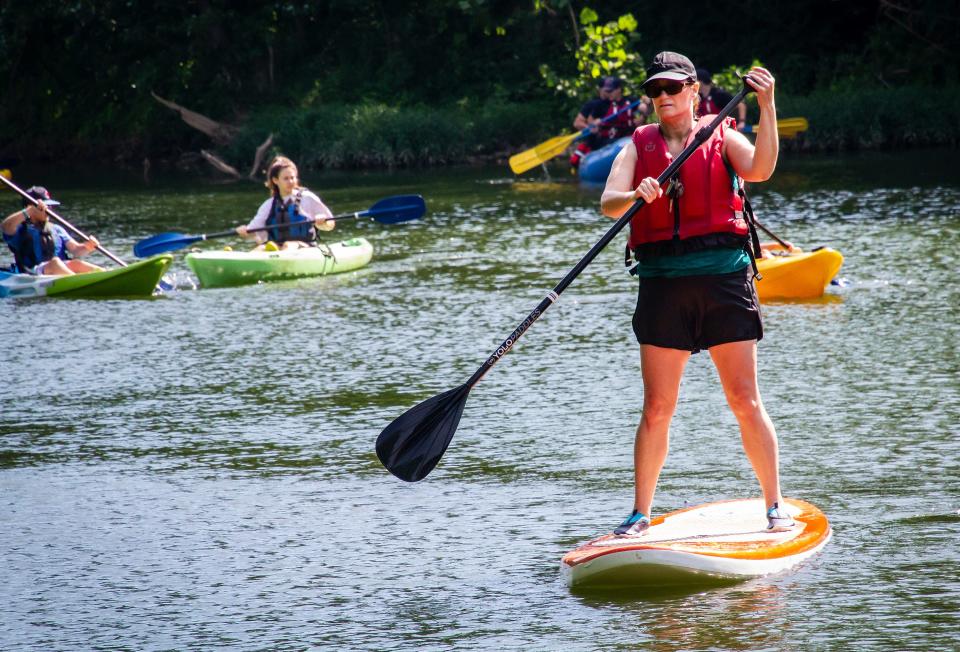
(221, 133)
(220, 164)
(258, 158)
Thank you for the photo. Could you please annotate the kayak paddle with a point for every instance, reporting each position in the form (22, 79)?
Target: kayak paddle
(392, 210)
(770, 233)
(546, 150)
(412, 445)
(786, 127)
(62, 222)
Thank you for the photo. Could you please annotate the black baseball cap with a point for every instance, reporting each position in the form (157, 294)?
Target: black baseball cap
(703, 75)
(41, 193)
(612, 83)
(671, 65)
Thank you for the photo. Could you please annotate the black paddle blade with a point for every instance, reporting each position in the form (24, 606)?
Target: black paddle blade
(413, 444)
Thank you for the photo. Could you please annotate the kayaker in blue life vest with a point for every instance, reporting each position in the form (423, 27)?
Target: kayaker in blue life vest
(611, 101)
(696, 287)
(41, 247)
(295, 212)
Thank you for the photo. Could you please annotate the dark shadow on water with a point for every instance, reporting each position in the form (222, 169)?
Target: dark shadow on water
(827, 299)
(610, 596)
(747, 616)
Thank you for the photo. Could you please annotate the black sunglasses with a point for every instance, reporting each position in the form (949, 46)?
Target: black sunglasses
(671, 87)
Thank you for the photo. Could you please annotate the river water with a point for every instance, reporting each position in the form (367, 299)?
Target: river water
(197, 471)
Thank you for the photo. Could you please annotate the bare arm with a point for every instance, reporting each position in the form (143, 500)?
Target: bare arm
(619, 193)
(756, 162)
(12, 222)
(81, 249)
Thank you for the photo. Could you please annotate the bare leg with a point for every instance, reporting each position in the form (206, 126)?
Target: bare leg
(662, 369)
(82, 267)
(56, 267)
(736, 363)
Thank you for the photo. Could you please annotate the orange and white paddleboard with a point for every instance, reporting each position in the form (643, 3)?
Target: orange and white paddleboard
(727, 540)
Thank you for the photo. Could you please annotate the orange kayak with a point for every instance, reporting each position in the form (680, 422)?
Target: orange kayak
(715, 542)
(803, 275)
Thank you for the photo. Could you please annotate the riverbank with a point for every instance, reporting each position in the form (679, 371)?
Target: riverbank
(373, 135)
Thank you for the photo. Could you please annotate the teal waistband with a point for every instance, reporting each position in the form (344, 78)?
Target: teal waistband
(709, 261)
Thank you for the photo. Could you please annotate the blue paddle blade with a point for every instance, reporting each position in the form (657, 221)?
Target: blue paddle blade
(163, 242)
(400, 208)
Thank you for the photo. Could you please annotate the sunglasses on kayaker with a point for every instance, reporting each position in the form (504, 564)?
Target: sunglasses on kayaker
(671, 87)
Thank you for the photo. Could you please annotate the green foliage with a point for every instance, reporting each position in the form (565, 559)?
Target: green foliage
(605, 49)
(374, 134)
(76, 75)
(875, 118)
(729, 78)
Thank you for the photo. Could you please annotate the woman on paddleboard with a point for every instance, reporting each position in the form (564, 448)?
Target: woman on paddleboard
(691, 244)
(293, 211)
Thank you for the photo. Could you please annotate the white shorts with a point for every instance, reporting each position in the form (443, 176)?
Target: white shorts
(37, 270)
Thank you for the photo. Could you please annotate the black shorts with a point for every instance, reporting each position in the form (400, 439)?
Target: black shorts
(696, 312)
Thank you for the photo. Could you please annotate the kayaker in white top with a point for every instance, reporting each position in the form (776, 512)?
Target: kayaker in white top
(295, 211)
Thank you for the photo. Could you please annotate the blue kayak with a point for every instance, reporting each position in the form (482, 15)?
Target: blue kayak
(595, 166)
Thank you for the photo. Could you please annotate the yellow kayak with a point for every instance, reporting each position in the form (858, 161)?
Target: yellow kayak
(802, 275)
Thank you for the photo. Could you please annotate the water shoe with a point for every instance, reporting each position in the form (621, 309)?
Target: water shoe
(636, 524)
(778, 520)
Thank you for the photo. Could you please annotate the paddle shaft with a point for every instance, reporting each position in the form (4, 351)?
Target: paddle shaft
(770, 233)
(586, 130)
(345, 216)
(554, 295)
(62, 221)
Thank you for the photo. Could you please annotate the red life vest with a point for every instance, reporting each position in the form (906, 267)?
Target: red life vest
(620, 126)
(708, 205)
(708, 106)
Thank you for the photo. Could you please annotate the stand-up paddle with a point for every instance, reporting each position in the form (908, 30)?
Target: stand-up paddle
(392, 210)
(413, 444)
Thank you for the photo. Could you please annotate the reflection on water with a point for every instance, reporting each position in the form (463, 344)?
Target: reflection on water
(198, 471)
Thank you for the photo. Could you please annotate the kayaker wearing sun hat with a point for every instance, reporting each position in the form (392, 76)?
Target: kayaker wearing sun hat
(40, 247)
(295, 211)
(696, 290)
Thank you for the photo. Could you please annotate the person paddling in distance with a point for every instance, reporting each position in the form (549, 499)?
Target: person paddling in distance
(767, 249)
(293, 211)
(696, 292)
(713, 98)
(41, 247)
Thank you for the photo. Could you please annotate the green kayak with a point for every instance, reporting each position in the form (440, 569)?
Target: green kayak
(217, 269)
(137, 279)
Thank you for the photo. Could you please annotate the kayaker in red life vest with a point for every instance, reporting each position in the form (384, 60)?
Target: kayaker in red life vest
(713, 98)
(696, 290)
(593, 112)
(295, 211)
(41, 247)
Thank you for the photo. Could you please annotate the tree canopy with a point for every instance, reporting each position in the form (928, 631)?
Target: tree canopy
(82, 70)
